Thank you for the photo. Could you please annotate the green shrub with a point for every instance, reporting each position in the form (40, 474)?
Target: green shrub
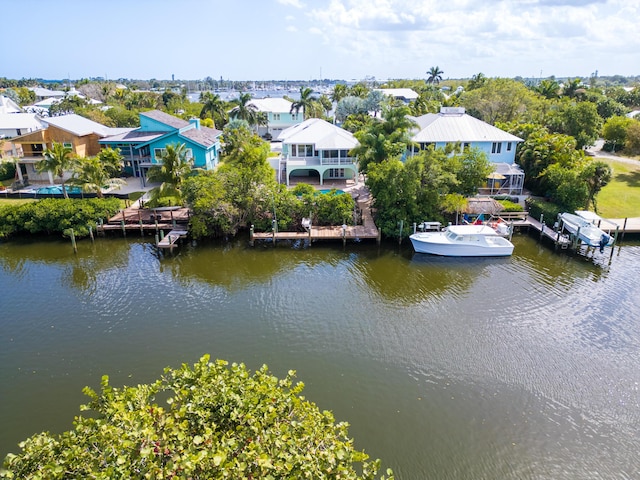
(510, 206)
(549, 209)
(53, 215)
(7, 170)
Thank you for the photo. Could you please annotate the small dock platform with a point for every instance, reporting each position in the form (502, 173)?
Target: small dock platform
(171, 238)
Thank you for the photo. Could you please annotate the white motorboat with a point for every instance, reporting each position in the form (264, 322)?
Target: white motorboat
(586, 231)
(462, 241)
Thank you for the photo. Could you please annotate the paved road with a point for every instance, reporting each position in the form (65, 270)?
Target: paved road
(597, 152)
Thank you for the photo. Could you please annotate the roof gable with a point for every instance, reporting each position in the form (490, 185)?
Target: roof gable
(78, 125)
(322, 134)
(205, 137)
(454, 125)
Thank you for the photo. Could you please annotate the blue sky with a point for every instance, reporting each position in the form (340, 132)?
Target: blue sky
(304, 39)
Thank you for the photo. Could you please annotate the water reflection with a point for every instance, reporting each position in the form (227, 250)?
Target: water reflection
(522, 367)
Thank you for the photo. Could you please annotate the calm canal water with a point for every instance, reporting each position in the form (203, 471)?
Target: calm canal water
(516, 368)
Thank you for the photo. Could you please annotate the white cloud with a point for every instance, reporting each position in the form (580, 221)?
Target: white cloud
(291, 3)
(475, 35)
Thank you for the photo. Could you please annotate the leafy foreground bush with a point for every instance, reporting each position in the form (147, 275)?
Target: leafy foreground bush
(55, 215)
(218, 422)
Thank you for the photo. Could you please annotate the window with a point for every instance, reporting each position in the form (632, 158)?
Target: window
(465, 146)
(158, 153)
(508, 146)
(336, 173)
(188, 154)
(302, 150)
(496, 147)
(276, 116)
(67, 145)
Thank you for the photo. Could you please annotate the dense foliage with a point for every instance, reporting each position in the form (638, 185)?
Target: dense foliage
(55, 216)
(7, 170)
(420, 188)
(210, 421)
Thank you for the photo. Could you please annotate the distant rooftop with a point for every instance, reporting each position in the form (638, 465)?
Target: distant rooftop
(277, 105)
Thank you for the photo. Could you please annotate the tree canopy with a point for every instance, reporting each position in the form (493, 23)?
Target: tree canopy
(210, 420)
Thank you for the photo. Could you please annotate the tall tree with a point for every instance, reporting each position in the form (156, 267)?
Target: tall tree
(58, 159)
(434, 75)
(304, 103)
(477, 81)
(384, 139)
(213, 106)
(244, 109)
(578, 119)
(571, 87)
(340, 90)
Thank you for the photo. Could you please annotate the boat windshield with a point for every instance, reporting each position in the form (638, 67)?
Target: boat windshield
(452, 236)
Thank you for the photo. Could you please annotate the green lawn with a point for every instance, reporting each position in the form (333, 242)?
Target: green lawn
(621, 198)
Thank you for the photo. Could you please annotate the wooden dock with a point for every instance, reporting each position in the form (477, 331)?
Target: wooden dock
(171, 238)
(147, 220)
(367, 230)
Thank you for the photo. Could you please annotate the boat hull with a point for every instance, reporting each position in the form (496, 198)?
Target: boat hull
(439, 243)
(586, 231)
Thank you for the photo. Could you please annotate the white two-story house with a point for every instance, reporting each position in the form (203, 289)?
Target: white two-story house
(316, 150)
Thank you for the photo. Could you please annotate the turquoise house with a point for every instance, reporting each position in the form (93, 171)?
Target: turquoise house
(143, 147)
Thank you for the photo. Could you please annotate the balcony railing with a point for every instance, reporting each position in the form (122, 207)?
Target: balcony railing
(315, 161)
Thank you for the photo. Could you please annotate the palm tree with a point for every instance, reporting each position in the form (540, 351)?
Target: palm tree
(93, 175)
(477, 81)
(305, 102)
(244, 109)
(571, 87)
(548, 88)
(174, 167)
(435, 75)
(214, 106)
(340, 91)
(57, 160)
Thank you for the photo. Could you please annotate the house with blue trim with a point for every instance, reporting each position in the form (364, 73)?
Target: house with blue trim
(316, 150)
(279, 115)
(143, 147)
(452, 126)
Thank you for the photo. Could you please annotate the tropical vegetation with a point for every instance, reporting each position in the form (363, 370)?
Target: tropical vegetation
(51, 216)
(210, 420)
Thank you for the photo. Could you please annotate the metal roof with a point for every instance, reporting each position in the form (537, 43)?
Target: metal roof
(19, 121)
(277, 105)
(80, 126)
(405, 93)
(453, 125)
(320, 133)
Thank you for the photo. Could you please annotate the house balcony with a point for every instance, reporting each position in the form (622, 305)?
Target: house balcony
(317, 161)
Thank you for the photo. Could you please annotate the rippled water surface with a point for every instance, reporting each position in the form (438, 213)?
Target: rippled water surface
(514, 368)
